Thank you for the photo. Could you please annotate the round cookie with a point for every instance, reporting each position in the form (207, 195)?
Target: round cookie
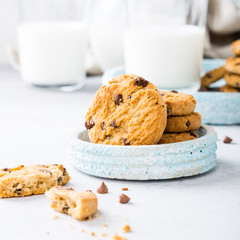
(232, 80)
(187, 123)
(235, 47)
(178, 137)
(178, 103)
(212, 76)
(229, 89)
(127, 111)
(233, 65)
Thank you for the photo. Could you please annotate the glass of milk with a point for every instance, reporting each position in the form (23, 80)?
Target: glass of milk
(52, 43)
(164, 41)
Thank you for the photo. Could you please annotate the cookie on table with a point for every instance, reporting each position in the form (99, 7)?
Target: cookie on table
(229, 89)
(127, 111)
(178, 137)
(232, 65)
(79, 205)
(235, 47)
(232, 80)
(33, 179)
(186, 123)
(178, 103)
(212, 76)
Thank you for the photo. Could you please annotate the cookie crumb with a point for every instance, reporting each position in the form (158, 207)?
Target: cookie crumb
(102, 189)
(93, 234)
(95, 216)
(104, 234)
(124, 198)
(48, 233)
(124, 189)
(82, 230)
(227, 140)
(117, 237)
(126, 228)
(105, 225)
(54, 217)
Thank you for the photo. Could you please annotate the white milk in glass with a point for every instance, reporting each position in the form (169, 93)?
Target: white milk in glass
(168, 56)
(107, 45)
(52, 53)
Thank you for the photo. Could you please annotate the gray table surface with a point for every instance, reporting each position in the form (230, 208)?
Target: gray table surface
(34, 128)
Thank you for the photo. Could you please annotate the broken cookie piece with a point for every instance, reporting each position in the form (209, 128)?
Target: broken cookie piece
(30, 180)
(79, 205)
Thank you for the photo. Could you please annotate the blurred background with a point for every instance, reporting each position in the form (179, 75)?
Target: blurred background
(222, 27)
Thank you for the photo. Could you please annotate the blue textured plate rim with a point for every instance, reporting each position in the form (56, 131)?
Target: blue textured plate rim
(209, 132)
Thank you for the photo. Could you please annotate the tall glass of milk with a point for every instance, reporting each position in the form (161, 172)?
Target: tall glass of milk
(52, 43)
(164, 41)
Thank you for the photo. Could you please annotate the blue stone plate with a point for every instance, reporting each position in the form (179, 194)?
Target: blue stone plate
(146, 162)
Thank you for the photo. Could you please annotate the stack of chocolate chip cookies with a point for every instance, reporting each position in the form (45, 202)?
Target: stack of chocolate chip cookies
(230, 72)
(182, 121)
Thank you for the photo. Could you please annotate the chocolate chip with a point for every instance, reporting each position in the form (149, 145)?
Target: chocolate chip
(129, 96)
(102, 125)
(118, 99)
(193, 134)
(124, 140)
(203, 89)
(124, 189)
(102, 189)
(6, 170)
(162, 94)
(18, 191)
(113, 124)
(169, 111)
(140, 82)
(174, 91)
(45, 170)
(237, 84)
(65, 209)
(59, 179)
(124, 198)
(188, 124)
(229, 74)
(227, 140)
(209, 75)
(64, 172)
(88, 190)
(90, 125)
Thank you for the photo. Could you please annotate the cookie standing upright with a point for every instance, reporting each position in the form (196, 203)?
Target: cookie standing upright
(127, 111)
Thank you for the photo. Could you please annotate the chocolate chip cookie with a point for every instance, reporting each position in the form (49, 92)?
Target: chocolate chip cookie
(232, 65)
(186, 123)
(212, 76)
(229, 89)
(235, 47)
(178, 137)
(232, 80)
(33, 179)
(178, 103)
(127, 111)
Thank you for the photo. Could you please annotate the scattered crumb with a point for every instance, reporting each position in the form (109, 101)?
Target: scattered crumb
(54, 217)
(70, 226)
(105, 225)
(124, 199)
(124, 189)
(104, 234)
(96, 216)
(93, 233)
(89, 218)
(48, 233)
(126, 228)
(117, 237)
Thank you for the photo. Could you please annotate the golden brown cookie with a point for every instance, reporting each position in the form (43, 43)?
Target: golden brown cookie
(186, 123)
(212, 76)
(229, 89)
(178, 103)
(79, 205)
(232, 80)
(178, 137)
(127, 111)
(232, 65)
(33, 179)
(235, 47)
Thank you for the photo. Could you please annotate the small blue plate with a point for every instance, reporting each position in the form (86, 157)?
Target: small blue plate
(147, 162)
